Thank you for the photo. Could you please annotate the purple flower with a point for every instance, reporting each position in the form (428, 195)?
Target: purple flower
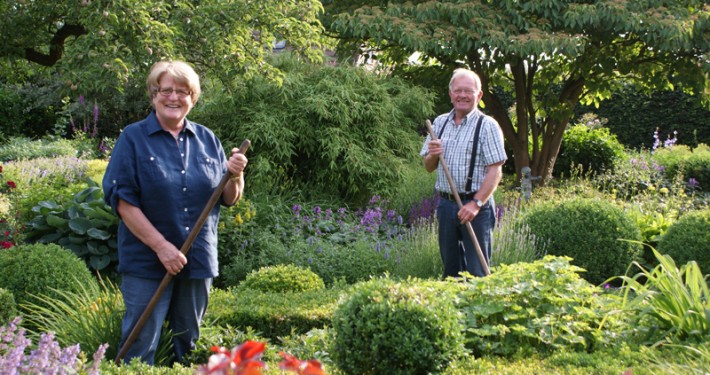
(317, 210)
(81, 99)
(296, 209)
(374, 199)
(693, 183)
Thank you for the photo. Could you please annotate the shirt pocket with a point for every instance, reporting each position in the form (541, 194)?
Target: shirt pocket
(210, 167)
(153, 167)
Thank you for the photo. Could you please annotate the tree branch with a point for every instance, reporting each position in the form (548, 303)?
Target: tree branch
(56, 46)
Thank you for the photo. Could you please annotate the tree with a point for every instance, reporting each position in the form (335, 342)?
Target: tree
(550, 55)
(96, 46)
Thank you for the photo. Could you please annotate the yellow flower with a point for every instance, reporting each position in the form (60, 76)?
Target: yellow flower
(238, 219)
(651, 188)
(664, 190)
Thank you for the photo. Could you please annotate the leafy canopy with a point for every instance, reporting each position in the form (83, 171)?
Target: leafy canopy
(98, 45)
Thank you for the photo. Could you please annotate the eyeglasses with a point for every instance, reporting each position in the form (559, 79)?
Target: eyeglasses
(167, 91)
(464, 91)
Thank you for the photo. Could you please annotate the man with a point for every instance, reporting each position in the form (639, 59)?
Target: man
(465, 136)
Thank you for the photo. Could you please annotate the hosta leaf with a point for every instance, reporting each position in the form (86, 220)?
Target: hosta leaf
(80, 225)
(99, 262)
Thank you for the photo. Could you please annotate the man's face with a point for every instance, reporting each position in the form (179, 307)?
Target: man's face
(464, 94)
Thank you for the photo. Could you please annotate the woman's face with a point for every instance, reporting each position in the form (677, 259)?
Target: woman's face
(170, 102)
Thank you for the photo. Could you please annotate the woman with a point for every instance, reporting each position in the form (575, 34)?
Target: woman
(162, 172)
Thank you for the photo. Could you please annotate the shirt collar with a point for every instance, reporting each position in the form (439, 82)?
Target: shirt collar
(473, 114)
(154, 127)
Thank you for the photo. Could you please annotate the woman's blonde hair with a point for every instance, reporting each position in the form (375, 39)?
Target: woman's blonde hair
(180, 71)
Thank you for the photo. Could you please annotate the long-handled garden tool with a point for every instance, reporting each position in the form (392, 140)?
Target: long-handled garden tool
(455, 193)
(184, 249)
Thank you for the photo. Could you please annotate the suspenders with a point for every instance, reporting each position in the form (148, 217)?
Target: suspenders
(476, 133)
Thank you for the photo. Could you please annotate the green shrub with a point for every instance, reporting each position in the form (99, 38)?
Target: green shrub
(595, 149)
(273, 314)
(539, 307)
(9, 307)
(596, 234)
(384, 327)
(85, 224)
(367, 130)
(680, 160)
(19, 148)
(689, 239)
(281, 279)
(30, 271)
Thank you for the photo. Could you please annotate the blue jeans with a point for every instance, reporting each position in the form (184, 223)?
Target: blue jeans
(183, 303)
(457, 250)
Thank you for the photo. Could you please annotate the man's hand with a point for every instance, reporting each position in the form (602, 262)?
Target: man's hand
(468, 212)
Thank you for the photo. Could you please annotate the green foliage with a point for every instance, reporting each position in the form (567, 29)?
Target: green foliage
(385, 327)
(688, 239)
(90, 316)
(634, 115)
(274, 314)
(282, 279)
(85, 225)
(58, 179)
(31, 271)
(513, 241)
(27, 107)
(679, 160)
(112, 42)
(593, 233)
(9, 307)
(328, 132)
(20, 148)
(595, 149)
(533, 307)
(667, 302)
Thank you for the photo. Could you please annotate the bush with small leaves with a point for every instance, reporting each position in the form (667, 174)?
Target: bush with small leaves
(283, 278)
(385, 327)
(599, 236)
(31, 271)
(9, 308)
(689, 239)
(595, 149)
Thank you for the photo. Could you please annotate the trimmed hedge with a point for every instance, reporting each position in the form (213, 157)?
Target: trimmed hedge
(385, 327)
(32, 271)
(597, 235)
(689, 239)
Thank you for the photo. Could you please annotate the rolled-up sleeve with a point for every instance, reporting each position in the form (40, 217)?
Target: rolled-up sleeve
(120, 180)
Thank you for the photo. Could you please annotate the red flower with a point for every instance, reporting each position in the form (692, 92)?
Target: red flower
(242, 360)
(11, 184)
(291, 363)
(6, 244)
(0, 168)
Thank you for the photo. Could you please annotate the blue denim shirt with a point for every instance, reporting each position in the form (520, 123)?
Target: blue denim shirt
(170, 180)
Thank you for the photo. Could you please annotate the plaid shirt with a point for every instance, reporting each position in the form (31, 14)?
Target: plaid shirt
(458, 145)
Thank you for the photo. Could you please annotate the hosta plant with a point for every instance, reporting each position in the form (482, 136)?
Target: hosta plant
(84, 224)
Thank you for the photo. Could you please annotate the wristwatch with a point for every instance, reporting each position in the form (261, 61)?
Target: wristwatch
(479, 203)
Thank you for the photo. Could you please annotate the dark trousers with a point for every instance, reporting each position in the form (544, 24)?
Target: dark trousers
(457, 250)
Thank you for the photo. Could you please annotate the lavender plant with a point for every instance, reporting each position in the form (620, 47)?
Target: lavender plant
(47, 358)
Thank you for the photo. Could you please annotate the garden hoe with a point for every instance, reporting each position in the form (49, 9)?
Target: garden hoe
(455, 192)
(184, 249)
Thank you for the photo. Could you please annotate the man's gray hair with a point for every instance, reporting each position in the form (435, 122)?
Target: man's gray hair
(465, 72)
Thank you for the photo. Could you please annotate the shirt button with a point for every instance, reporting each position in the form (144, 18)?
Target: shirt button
(114, 181)
(152, 158)
(183, 171)
(180, 139)
(185, 209)
(187, 228)
(182, 154)
(184, 189)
